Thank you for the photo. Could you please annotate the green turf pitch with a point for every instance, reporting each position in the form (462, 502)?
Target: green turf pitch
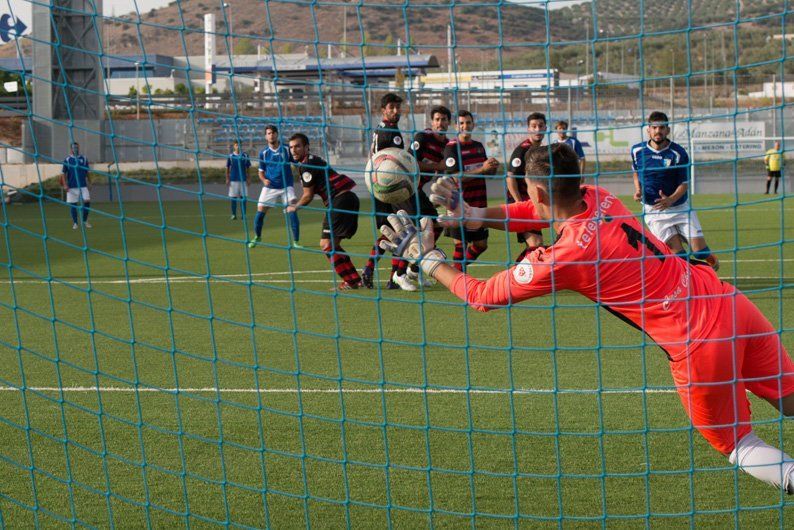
(205, 383)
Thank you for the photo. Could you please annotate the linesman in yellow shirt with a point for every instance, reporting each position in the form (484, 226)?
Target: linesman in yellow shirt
(773, 162)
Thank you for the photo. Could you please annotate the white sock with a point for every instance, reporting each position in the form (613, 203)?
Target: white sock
(764, 462)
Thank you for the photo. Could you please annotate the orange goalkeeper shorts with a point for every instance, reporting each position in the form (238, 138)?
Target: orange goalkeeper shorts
(743, 352)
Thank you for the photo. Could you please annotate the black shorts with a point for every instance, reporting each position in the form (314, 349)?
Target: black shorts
(421, 199)
(426, 208)
(467, 236)
(343, 217)
(382, 211)
(773, 174)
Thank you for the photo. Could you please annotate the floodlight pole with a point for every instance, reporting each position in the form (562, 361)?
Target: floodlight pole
(137, 93)
(231, 28)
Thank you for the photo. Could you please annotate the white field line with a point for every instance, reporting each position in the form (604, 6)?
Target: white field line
(701, 210)
(265, 275)
(454, 391)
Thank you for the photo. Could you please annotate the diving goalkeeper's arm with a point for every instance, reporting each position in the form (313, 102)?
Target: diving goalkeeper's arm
(515, 217)
(417, 245)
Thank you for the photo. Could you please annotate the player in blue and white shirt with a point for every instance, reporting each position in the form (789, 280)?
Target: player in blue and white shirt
(74, 179)
(562, 138)
(237, 165)
(275, 172)
(661, 184)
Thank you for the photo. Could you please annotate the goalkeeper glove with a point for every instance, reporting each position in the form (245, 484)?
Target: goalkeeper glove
(446, 193)
(417, 246)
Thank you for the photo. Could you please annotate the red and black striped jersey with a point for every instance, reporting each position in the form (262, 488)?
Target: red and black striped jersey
(516, 169)
(428, 147)
(315, 172)
(386, 135)
(463, 158)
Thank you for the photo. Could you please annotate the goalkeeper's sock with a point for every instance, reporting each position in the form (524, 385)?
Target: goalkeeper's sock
(472, 253)
(234, 206)
(457, 256)
(764, 462)
(259, 220)
(777, 183)
(375, 254)
(343, 265)
(768, 182)
(73, 211)
(86, 210)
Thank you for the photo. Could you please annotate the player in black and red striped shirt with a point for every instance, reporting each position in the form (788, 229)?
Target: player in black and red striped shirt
(386, 135)
(517, 186)
(335, 190)
(428, 145)
(466, 158)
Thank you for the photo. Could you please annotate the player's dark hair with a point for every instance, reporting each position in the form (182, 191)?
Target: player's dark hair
(557, 166)
(561, 123)
(536, 116)
(465, 114)
(440, 109)
(271, 127)
(300, 136)
(390, 97)
(658, 116)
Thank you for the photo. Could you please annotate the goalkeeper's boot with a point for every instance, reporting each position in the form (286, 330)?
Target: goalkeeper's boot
(402, 281)
(254, 241)
(366, 278)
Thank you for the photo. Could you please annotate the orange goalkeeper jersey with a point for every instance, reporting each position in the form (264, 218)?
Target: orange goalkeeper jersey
(607, 255)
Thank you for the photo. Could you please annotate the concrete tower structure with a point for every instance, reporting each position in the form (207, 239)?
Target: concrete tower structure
(68, 83)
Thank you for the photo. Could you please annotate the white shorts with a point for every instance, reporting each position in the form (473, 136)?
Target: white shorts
(270, 196)
(678, 220)
(73, 195)
(238, 188)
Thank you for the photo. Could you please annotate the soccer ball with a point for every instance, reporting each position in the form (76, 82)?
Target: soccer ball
(390, 175)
